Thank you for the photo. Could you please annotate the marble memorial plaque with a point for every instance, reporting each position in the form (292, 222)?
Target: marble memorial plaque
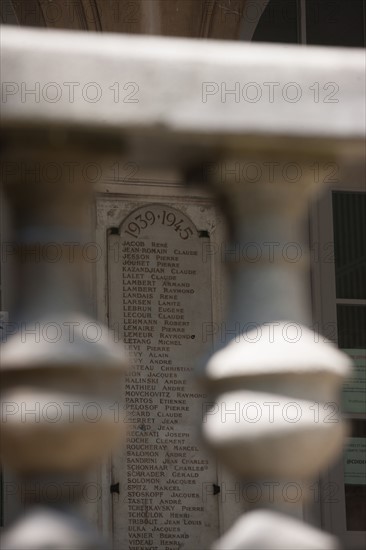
(160, 301)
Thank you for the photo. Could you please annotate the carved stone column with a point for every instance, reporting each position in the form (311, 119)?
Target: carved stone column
(61, 372)
(276, 381)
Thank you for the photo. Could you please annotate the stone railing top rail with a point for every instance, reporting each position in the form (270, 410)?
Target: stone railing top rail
(165, 86)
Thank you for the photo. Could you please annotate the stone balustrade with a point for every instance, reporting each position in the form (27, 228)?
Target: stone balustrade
(196, 107)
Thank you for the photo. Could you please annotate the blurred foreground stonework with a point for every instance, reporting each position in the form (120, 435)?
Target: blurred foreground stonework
(182, 278)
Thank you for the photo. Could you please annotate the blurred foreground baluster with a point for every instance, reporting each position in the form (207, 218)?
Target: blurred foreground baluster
(273, 385)
(61, 371)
